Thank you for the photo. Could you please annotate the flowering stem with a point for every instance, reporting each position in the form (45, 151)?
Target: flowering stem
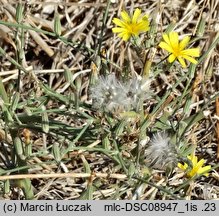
(138, 148)
(103, 26)
(188, 181)
(159, 188)
(141, 136)
(185, 183)
(162, 60)
(3, 93)
(213, 45)
(119, 157)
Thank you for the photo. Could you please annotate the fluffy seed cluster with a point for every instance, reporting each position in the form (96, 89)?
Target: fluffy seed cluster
(160, 153)
(111, 94)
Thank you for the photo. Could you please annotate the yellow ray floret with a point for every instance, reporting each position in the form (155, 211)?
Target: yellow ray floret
(177, 49)
(197, 167)
(129, 26)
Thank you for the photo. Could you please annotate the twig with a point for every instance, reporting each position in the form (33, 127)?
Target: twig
(217, 126)
(63, 175)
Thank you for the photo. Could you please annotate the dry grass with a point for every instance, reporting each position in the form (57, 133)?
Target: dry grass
(84, 153)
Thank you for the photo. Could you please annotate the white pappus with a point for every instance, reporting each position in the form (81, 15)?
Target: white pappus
(160, 153)
(112, 94)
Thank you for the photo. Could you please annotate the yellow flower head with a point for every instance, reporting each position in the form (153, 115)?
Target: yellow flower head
(196, 166)
(131, 25)
(177, 49)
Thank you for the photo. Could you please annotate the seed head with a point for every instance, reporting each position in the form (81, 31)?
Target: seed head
(112, 95)
(160, 153)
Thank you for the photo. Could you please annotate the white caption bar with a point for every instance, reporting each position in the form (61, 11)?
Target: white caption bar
(108, 207)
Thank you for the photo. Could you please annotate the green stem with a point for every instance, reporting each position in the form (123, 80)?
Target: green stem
(3, 93)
